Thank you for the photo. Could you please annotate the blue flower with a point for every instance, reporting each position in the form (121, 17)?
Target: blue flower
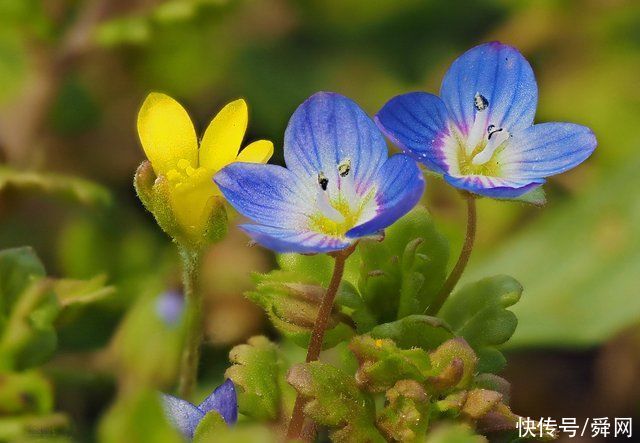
(169, 307)
(479, 134)
(339, 184)
(185, 416)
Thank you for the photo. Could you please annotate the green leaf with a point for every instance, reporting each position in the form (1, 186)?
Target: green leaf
(478, 313)
(401, 274)
(382, 363)
(454, 433)
(334, 400)
(33, 428)
(25, 392)
(454, 364)
(258, 373)
(579, 263)
(73, 188)
(28, 337)
(72, 292)
(137, 417)
(415, 331)
(18, 268)
(352, 304)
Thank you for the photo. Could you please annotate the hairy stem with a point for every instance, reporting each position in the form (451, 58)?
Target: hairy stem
(317, 336)
(194, 323)
(461, 264)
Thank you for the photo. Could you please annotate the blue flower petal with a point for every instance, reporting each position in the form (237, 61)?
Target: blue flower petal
(183, 415)
(547, 149)
(223, 400)
(499, 73)
(400, 187)
(494, 186)
(283, 240)
(417, 122)
(267, 194)
(327, 129)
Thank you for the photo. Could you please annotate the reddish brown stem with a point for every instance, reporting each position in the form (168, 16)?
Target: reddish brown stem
(317, 337)
(460, 266)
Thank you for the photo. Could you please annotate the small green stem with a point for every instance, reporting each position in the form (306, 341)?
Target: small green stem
(317, 337)
(461, 264)
(194, 323)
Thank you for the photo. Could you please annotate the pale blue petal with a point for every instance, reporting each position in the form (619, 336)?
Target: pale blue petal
(503, 76)
(267, 194)
(183, 415)
(400, 187)
(327, 129)
(284, 240)
(547, 149)
(417, 123)
(224, 400)
(493, 186)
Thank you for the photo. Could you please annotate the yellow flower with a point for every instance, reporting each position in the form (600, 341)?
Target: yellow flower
(169, 140)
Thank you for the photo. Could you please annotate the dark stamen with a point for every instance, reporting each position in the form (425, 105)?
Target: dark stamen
(493, 131)
(344, 167)
(480, 102)
(323, 181)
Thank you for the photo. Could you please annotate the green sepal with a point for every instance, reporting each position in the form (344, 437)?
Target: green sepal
(334, 400)
(454, 364)
(258, 373)
(405, 416)
(478, 313)
(155, 194)
(536, 197)
(410, 262)
(209, 427)
(382, 363)
(292, 306)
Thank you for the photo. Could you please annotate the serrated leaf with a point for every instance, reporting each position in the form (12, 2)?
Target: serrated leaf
(401, 274)
(415, 331)
(478, 313)
(258, 374)
(334, 400)
(382, 363)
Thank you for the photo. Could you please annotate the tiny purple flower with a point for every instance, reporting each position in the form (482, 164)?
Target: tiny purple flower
(479, 134)
(339, 184)
(186, 416)
(169, 307)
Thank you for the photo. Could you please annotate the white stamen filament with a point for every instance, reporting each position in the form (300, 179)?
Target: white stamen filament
(348, 191)
(496, 139)
(478, 129)
(324, 205)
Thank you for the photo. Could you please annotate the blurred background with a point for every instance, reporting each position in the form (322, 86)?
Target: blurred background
(74, 72)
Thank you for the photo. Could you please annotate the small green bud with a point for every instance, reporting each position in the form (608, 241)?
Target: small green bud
(454, 364)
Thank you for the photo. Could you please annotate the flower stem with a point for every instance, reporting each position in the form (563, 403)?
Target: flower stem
(194, 323)
(465, 253)
(317, 336)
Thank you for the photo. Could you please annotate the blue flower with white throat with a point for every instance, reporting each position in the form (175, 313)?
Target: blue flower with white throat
(339, 184)
(479, 134)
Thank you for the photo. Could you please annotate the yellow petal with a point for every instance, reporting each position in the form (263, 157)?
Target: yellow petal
(189, 200)
(257, 152)
(223, 137)
(166, 133)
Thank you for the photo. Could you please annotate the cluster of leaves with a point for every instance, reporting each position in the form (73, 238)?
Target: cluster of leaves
(402, 375)
(33, 308)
